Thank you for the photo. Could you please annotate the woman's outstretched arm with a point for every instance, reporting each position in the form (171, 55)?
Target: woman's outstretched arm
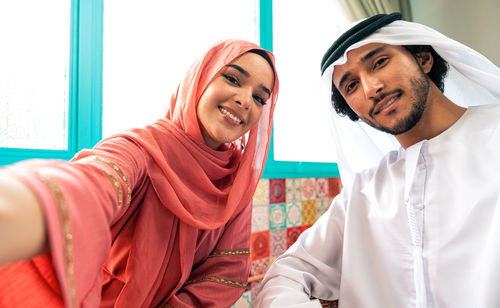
(22, 224)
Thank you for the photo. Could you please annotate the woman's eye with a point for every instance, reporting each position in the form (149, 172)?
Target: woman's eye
(231, 79)
(380, 62)
(260, 100)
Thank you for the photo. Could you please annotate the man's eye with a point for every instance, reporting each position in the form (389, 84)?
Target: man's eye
(380, 62)
(350, 86)
(231, 79)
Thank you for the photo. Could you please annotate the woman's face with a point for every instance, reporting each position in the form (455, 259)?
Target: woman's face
(233, 101)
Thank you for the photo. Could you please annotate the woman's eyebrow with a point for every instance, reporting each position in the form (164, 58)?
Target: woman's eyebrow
(247, 74)
(265, 89)
(240, 69)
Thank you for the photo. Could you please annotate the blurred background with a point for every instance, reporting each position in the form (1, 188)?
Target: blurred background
(75, 71)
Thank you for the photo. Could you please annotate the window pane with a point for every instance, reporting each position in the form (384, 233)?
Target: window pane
(303, 31)
(149, 45)
(34, 74)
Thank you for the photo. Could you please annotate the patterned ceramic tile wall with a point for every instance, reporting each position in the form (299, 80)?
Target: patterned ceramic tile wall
(282, 210)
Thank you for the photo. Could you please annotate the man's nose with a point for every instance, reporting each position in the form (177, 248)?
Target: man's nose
(372, 86)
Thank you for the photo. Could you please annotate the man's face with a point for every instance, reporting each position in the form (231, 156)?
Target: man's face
(384, 85)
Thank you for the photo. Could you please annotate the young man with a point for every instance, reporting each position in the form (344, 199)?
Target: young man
(421, 228)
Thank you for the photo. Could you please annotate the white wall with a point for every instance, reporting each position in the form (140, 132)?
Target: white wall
(474, 23)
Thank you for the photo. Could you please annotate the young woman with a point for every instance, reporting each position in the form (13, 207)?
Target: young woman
(158, 216)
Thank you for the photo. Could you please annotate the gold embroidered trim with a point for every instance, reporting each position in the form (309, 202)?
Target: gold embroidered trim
(113, 179)
(67, 236)
(120, 173)
(229, 252)
(116, 184)
(327, 304)
(217, 279)
(256, 277)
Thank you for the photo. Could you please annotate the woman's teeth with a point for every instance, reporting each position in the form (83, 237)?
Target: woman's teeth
(230, 115)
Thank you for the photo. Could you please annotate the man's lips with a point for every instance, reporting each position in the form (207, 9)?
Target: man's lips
(385, 102)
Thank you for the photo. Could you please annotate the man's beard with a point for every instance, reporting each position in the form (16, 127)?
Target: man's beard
(420, 87)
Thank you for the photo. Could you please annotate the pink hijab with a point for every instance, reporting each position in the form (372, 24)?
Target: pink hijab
(158, 174)
(202, 186)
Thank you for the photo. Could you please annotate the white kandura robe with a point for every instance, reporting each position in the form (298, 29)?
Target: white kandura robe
(422, 229)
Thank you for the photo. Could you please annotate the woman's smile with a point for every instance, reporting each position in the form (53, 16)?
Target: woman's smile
(234, 100)
(231, 115)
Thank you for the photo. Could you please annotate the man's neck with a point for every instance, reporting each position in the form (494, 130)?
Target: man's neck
(440, 114)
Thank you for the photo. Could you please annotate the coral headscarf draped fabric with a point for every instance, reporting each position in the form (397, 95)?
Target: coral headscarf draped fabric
(160, 189)
(216, 183)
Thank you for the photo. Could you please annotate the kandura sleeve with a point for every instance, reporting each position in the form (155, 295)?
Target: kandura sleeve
(310, 268)
(80, 199)
(221, 279)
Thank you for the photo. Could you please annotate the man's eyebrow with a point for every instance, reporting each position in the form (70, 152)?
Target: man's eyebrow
(344, 78)
(240, 69)
(372, 53)
(363, 59)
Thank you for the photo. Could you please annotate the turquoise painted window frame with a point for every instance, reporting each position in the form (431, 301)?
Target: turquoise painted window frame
(85, 85)
(275, 169)
(85, 94)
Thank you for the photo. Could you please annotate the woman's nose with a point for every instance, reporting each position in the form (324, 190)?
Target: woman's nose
(244, 98)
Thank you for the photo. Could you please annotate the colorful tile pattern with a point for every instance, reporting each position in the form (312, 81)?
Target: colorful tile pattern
(293, 214)
(292, 234)
(261, 196)
(277, 216)
(259, 245)
(245, 301)
(308, 186)
(308, 212)
(282, 210)
(278, 243)
(321, 188)
(260, 218)
(322, 206)
(259, 267)
(277, 191)
(255, 287)
(304, 228)
(293, 190)
(334, 187)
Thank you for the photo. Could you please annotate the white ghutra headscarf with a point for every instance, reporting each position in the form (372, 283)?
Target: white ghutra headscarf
(471, 80)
